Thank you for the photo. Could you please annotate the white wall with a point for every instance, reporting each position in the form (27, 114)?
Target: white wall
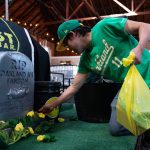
(56, 60)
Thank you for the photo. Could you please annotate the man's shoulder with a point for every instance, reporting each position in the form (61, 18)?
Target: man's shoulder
(109, 20)
(101, 23)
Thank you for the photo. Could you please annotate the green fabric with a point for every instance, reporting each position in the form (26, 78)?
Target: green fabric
(78, 135)
(110, 43)
(66, 27)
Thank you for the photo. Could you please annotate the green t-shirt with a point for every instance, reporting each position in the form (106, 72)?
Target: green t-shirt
(110, 44)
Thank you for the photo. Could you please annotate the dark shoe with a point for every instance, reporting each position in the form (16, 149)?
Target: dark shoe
(143, 141)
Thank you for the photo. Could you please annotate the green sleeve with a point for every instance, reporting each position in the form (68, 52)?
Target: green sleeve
(83, 70)
(114, 26)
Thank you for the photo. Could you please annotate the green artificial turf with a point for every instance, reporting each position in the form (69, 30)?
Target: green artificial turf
(77, 135)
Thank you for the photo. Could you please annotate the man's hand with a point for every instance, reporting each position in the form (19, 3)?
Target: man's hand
(138, 55)
(71, 90)
(48, 107)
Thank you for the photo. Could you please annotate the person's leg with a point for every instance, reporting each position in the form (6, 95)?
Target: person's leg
(114, 127)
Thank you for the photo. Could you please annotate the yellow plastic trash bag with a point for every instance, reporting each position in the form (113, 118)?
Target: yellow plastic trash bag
(133, 106)
(129, 60)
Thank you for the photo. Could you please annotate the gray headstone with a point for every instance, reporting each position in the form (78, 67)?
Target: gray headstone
(16, 85)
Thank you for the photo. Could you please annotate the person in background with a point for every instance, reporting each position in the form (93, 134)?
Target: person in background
(103, 47)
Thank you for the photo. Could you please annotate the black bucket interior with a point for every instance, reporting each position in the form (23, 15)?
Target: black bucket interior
(93, 101)
(44, 90)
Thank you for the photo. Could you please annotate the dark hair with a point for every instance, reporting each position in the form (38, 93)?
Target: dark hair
(80, 31)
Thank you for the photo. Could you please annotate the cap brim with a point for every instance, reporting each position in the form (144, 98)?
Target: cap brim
(60, 47)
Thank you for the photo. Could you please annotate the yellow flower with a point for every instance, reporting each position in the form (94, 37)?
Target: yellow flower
(30, 130)
(19, 127)
(30, 113)
(40, 138)
(61, 119)
(41, 115)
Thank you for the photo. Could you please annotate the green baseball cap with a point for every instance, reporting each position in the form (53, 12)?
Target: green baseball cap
(63, 31)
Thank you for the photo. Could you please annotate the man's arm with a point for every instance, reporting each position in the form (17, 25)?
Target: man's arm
(71, 90)
(143, 29)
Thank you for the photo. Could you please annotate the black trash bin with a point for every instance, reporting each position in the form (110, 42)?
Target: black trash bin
(44, 90)
(93, 101)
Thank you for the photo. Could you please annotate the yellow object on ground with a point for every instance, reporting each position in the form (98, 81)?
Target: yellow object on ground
(40, 138)
(31, 130)
(30, 113)
(19, 127)
(61, 119)
(41, 115)
(55, 112)
(133, 106)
